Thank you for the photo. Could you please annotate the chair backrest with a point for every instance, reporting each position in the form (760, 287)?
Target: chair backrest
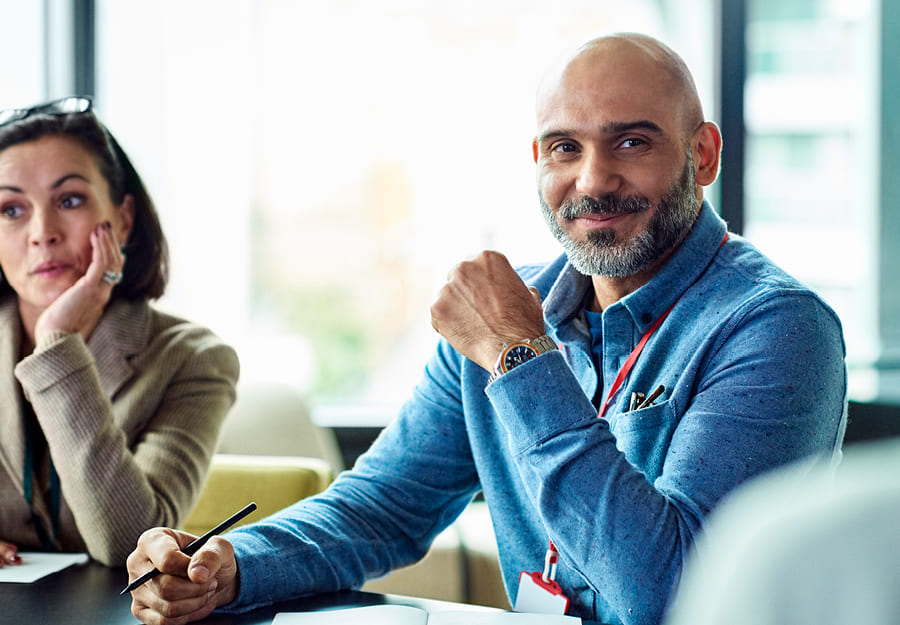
(273, 419)
(273, 482)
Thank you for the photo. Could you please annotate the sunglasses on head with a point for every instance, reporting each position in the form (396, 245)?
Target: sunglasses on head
(64, 106)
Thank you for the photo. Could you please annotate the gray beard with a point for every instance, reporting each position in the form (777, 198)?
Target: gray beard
(601, 254)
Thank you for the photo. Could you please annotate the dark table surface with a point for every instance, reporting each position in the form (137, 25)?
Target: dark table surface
(88, 594)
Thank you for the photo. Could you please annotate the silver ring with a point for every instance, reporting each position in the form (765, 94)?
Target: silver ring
(112, 277)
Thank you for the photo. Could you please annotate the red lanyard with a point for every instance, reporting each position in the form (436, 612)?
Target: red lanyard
(632, 358)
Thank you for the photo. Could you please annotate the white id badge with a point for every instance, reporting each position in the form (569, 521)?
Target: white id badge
(539, 596)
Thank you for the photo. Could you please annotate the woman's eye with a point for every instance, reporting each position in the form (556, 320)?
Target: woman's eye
(12, 211)
(72, 201)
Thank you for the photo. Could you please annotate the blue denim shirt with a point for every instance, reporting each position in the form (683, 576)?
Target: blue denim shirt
(753, 367)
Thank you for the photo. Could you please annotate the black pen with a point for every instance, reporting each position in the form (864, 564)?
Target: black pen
(195, 544)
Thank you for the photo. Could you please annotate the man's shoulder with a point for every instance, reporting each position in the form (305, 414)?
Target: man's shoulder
(752, 278)
(741, 261)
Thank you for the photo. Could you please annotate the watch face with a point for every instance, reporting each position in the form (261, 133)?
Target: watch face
(517, 354)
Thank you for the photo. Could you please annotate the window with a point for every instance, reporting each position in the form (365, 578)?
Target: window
(25, 73)
(811, 111)
(320, 167)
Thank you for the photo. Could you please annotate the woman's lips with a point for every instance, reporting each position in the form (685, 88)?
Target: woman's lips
(51, 269)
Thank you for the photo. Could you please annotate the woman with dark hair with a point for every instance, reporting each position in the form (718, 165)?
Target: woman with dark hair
(109, 409)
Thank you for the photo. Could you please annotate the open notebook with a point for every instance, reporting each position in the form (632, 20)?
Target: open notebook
(407, 615)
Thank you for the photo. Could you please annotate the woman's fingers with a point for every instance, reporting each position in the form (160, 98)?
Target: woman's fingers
(9, 554)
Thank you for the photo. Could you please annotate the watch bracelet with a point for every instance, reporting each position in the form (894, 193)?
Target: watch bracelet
(542, 344)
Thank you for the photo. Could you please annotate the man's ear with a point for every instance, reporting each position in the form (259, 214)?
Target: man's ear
(707, 146)
(534, 149)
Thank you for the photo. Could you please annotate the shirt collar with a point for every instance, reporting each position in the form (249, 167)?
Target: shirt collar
(567, 296)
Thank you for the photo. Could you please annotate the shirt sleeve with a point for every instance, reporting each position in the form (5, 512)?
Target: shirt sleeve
(413, 482)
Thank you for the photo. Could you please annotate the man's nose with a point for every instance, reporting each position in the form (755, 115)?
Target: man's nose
(597, 175)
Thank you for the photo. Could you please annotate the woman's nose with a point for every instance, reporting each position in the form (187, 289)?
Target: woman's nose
(44, 228)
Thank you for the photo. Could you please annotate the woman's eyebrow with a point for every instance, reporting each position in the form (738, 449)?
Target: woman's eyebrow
(55, 185)
(67, 177)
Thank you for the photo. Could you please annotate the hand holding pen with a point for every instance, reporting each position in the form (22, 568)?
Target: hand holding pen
(193, 585)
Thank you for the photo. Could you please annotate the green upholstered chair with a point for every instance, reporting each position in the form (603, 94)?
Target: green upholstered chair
(273, 482)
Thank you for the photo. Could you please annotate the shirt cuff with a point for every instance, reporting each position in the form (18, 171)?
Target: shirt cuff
(538, 399)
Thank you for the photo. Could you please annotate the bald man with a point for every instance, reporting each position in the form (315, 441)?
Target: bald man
(605, 401)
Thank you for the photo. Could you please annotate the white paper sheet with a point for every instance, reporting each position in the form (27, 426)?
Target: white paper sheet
(36, 565)
(405, 615)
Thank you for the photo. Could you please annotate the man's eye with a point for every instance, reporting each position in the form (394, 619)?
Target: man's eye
(564, 147)
(632, 143)
(72, 201)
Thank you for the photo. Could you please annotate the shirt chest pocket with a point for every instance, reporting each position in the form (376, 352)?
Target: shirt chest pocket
(644, 436)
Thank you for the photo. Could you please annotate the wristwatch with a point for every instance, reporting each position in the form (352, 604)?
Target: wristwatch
(514, 354)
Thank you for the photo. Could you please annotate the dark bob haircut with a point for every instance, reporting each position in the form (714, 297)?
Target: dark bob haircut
(147, 257)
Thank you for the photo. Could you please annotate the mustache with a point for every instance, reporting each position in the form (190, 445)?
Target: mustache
(610, 203)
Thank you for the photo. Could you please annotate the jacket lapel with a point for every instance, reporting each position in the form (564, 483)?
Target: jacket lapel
(121, 333)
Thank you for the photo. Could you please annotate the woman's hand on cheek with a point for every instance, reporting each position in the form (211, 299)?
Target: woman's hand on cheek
(79, 308)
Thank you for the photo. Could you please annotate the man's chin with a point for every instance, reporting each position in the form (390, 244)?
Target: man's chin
(602, 237)
(612, 261)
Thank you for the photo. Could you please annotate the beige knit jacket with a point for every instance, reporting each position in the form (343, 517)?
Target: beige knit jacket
(131, 420)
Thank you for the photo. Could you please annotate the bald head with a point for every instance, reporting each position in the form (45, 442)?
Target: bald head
(626, 64)
(620, 131)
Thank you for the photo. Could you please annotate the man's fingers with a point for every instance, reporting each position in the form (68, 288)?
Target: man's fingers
(184, 592)
(171, 600)
(153, 610)
(210, 559)
(159, 548)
